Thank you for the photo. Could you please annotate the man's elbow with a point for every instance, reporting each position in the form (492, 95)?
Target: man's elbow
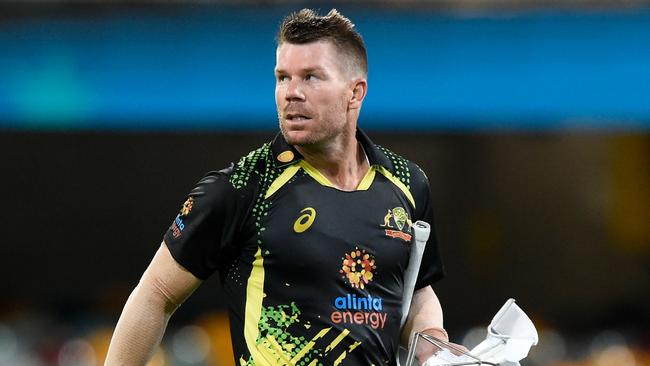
(157, 291)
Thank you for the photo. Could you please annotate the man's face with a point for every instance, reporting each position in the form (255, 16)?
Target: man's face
(311, 92)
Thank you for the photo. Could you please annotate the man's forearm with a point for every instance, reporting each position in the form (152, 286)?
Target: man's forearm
(140, 328)
(426, 317)
(425, 313)
(162, 289)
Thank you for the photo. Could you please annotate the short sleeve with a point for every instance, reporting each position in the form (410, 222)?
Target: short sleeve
(431, 268)
(207, 223)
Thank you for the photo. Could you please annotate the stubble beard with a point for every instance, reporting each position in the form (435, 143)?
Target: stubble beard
(314, 138)
(319, 137)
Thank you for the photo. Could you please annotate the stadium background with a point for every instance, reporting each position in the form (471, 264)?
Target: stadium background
(531, 119)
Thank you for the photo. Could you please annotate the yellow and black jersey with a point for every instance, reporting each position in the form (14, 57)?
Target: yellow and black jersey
(313, 275)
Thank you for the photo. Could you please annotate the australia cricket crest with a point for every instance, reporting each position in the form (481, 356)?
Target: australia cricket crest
(397, 224)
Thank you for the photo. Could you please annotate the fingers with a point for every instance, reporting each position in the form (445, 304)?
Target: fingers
(425, 350)
(458, 349)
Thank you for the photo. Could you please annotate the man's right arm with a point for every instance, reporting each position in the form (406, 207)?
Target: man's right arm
(164, 286)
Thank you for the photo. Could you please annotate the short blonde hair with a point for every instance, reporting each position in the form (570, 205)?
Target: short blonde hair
(306, 26)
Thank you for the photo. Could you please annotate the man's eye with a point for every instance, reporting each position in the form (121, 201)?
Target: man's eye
(310, 77)
(282, 78)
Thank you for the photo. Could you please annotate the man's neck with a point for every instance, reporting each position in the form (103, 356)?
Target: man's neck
(343, 163)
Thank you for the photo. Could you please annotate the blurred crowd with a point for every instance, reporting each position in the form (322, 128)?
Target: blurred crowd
(38, 339)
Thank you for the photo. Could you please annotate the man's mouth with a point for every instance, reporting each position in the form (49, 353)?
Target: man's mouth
(296, 117)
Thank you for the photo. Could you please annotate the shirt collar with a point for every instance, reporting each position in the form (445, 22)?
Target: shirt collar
(285, 154)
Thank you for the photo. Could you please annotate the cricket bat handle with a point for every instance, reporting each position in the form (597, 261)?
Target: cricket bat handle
(421, 232)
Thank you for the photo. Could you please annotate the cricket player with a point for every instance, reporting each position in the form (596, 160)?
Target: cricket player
(309, 234)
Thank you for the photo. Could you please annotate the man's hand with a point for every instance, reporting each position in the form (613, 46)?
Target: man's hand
(425, 350)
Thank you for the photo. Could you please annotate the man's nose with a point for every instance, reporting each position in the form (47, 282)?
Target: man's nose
(294, 90)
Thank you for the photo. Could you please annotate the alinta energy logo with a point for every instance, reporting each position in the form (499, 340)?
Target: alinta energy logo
(178, 225)
(400, 218)
(358, 267)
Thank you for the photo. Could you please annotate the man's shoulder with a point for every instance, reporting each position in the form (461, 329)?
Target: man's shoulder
(408, 172)
(243, 174)
(249, 167)
(414, 181)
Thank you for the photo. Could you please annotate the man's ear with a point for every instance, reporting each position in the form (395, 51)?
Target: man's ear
(359, 91)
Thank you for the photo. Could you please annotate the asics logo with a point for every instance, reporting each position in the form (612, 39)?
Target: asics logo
(305, 220)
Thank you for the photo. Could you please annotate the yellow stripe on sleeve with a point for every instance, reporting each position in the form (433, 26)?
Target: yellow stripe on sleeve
(386, 173)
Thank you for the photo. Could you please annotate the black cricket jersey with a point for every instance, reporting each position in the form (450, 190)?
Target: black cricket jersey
(313, 275)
